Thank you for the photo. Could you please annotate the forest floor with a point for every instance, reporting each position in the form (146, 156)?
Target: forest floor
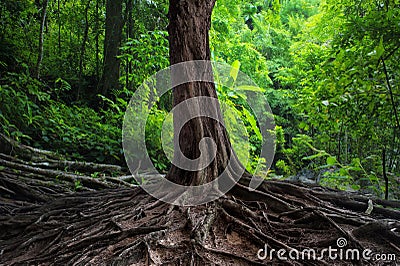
(58, 212)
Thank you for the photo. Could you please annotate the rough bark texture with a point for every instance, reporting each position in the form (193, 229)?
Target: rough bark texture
(44, 222)
(190, 22)
(112, 42)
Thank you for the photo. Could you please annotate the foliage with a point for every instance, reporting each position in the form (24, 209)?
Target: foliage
(298, 9)
(20, 94)
(241, 125)
(329, 70)
(72, 130)
(146, 55)
(154, 143)
(345, 78)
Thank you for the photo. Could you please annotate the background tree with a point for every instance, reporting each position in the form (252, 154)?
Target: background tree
(43, 18)
(328, 70)
(343, 75)
(112, 42)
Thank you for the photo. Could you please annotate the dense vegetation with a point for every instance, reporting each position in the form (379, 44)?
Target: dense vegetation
(328, 68)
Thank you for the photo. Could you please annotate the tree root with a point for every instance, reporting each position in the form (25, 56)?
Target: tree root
(15, 151)
(44, 221)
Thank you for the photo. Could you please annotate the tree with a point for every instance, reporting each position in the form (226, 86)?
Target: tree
(344, 83)
(189, 26)
(83, 48)
(112, 42)
(42, 222)
(41, 37)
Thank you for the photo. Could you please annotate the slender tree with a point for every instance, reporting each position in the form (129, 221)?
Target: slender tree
(83, 48)
(129, 34)
(41, 38)
(189, 25)
(59, 28)
(96, 37)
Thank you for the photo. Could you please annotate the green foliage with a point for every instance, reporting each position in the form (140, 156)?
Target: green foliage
(281, 166)
(21, 94)
(240, 122)
(302, 9)
(344, 81)
(15, 38)
(146, 55)
(83, 130)
(154, 139)
(77, 185)
(329, 70)
(72, 130)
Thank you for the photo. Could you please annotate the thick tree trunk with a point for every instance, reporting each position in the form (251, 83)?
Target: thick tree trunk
(112, 41)
(188, 36)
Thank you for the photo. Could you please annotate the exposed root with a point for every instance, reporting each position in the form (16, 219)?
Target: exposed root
(44, 222)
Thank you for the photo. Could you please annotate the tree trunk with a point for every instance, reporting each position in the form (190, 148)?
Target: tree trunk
(97, 40)
(59, 28)
(112, 41)
(129, 34)
(190, 22)
(41, 38)
(83, 49)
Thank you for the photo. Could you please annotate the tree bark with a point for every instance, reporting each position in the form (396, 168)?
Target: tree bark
(97, 30)
(59, 28)
(112, 41)
(190, 22)
(129, 34)
(83, 49)
(41, 38)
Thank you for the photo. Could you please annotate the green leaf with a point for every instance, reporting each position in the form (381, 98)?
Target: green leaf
(343, 172)
(250, 88)
(331, 160)
(235, 69)
(311, 157)
(303, 125)
(249, 117)
(380, 49)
